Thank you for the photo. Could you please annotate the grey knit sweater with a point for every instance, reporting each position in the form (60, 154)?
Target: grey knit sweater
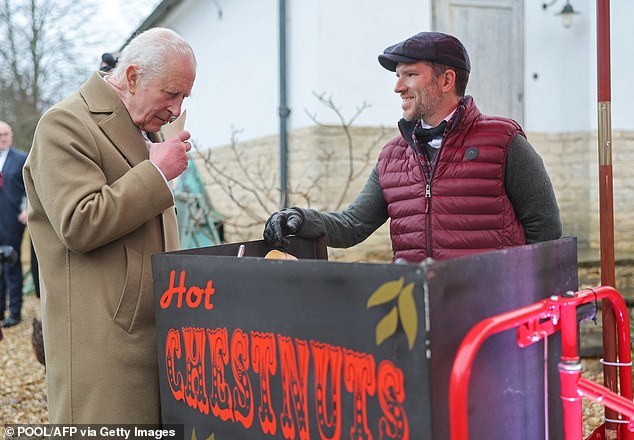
(526, 182)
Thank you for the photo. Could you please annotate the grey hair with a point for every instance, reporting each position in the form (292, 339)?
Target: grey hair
(152, 51)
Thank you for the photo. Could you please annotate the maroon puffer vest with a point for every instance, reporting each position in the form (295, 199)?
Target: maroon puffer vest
(464, 209)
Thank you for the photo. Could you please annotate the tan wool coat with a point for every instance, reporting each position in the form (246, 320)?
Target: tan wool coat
(98, 210)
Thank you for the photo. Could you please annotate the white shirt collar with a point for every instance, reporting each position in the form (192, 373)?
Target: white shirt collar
(3, 157)
(424, 124)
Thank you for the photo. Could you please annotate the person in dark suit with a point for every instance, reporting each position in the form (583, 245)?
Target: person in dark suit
(12, 218)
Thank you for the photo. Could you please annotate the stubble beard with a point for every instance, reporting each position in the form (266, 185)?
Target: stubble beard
(424, 108)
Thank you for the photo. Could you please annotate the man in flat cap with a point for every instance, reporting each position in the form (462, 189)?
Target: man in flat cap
(454, 183)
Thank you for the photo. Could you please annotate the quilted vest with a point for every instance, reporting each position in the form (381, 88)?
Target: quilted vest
(464, 208)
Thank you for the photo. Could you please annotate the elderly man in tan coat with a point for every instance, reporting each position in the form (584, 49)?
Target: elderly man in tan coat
(100, 206)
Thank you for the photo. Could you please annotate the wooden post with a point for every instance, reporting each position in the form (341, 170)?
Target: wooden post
(606, 211)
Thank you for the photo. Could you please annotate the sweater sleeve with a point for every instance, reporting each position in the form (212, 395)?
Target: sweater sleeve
(531, 192)
(354, 224)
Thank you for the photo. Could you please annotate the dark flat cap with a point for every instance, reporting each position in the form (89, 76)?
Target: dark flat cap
(427, 46)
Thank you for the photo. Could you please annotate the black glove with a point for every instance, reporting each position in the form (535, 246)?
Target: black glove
(280, 224)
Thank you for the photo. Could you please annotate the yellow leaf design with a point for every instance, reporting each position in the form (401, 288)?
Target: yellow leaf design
(211, 437)
(386, 326)
(386, 293)
(408, 313)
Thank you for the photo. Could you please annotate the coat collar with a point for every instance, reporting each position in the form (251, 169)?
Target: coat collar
(113, 119)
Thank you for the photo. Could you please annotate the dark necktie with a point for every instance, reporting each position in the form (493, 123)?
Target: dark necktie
(425, 135)
(1, 180)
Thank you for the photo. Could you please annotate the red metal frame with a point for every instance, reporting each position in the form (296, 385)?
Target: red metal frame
(534, 323)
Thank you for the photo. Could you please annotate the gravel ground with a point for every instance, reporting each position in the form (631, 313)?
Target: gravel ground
(22, 377)
(23, 384)
(592, 411)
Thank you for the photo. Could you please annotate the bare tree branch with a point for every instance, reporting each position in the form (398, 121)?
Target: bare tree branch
(251, 185)
(41, 57)
(345, 126)
(232, 185)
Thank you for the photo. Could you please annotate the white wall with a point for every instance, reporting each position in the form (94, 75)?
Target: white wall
(236, 85)
(333, 50)
(622, 65)
(333, 47)
(564, 96)
(558, 71)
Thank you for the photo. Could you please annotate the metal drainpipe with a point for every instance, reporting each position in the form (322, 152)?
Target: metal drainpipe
(284, 111)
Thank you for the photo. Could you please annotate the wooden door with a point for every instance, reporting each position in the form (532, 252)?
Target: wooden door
(493, 33)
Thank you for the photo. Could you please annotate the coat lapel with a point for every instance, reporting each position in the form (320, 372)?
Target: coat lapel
(114, 119)
(12, 161)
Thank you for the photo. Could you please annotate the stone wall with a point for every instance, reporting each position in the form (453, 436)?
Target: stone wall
(572, 161)
(328, 165)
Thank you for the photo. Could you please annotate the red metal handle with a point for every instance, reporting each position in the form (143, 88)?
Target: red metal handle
(534, 322)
